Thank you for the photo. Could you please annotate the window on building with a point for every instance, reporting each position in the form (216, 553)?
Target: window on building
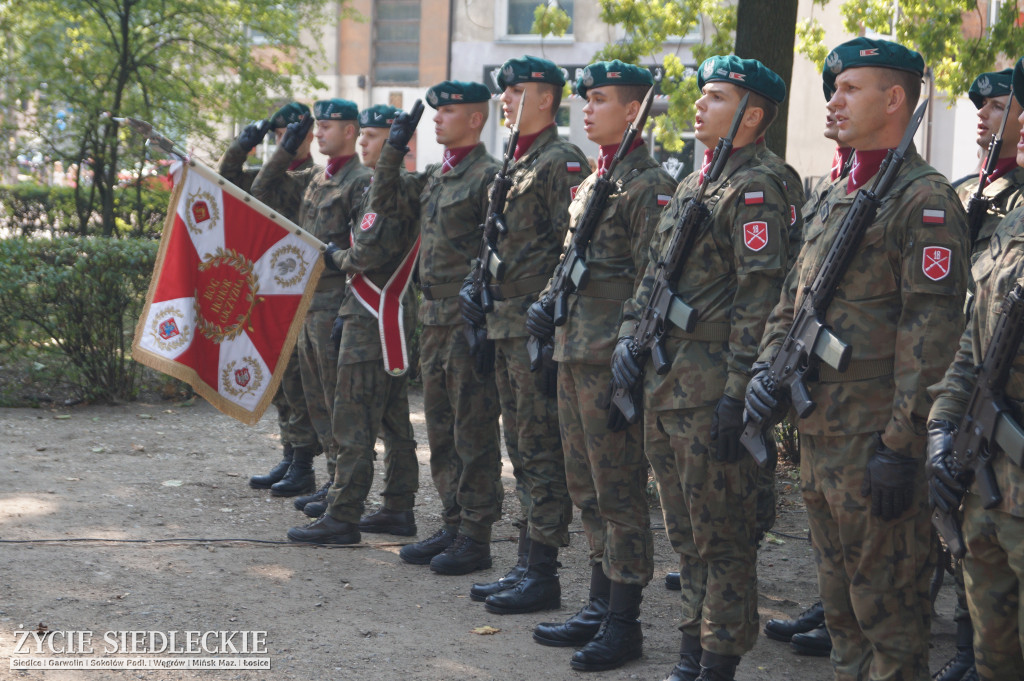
(519, 14)
(396, 45)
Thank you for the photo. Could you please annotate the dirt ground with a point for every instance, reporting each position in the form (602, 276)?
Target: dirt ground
(172, 471)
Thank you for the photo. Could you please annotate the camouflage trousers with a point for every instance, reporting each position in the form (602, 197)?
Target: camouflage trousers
(536, 452)
(318, 363)
(461, 410)
(993, 574)
(292, 414)
(710, 511)
(606, 474)
(873, 574)
(766, 494)
(368, 400)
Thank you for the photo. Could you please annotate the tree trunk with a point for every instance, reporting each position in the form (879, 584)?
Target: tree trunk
(766, 31)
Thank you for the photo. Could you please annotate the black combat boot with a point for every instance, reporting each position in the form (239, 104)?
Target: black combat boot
(817, 642)
(480, 591)
(961, 666)
(690, 652)
(620, 638)
(422, 552)
(275, 474)
(539, 589)
(386, 521)
(300, 478)
(319, 495)
(718, 667)
(326, 530)
(465, 555)
(583, 626)
(783, 630)
(672, 581)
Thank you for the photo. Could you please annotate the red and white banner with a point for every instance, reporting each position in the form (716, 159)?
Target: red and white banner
(230, 289)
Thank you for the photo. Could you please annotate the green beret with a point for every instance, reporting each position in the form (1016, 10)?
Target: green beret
(748, 73)
(615, 72)
(457, 92)
(1018, 82)
(884, 54)
(378, 116)
(289, 113)
(335, 110)
(529, 70)
(995, 84)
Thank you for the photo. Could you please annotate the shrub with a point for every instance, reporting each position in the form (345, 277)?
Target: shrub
(30, 209)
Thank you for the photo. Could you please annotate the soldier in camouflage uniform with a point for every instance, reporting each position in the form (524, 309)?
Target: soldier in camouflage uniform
(993, 537)
(544, 178)
(371, 392)
(329, 205)
(693, 414)
(862, 468)
(292, 416)
(450, 202)
(605, 466)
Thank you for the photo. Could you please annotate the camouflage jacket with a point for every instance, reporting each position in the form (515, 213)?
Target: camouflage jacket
(536, 213)
(794, 187)
(232, 168)
(995, 273)
(732, 278)
(1006, 193)
(616, 256)
(328, 208)
(895, 306)
(379, 245)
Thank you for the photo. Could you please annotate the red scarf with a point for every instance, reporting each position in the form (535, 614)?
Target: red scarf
(524, 142)
(297, 163)
(337, 163)
(608, 153)
(842, 155)
(452, 157)
(706, 165)
(1003, 166)
(865, 165)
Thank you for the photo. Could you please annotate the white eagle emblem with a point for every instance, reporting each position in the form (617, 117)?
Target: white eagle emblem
(834, 63)
(984, 86)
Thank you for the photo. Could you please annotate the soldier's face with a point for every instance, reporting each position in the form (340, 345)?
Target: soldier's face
(605, 118)
(452, 126)
(859, 107)
(333, 138)
(990, 116)
(510, 102)
(371, 141)
(715, 110)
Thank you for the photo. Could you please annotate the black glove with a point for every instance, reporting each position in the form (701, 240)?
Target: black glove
(945, 490)
(758, 403)
(625, 370)
(253, 134)
(726, 428)
(472, 312)
(889, 480)
(332, 248)
(539, 321)
(339, 325)
(484, 355)
(295, 134)
(404, 127)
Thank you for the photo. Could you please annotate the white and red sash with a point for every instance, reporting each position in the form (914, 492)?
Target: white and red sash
(386, 306)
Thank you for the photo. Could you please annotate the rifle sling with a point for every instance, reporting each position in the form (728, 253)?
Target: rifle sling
(859, 370)
(439, 291)
(609, 290)
(708, 332)
(519, 287)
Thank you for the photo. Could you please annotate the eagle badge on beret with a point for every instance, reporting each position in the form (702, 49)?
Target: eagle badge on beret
(834, 63)
(984, 86)
(432, 98)
(709, 68)
(508, 72)
(588, 77)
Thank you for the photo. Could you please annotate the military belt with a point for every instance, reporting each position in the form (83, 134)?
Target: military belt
(860, 370)
(330, 283)
(439, 291)
(710, 332)
(519, 287)
(609, 290)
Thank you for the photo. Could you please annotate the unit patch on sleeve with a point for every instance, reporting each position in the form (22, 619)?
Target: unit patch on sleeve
(367, 221)
(755, 235)
(935, 262)
(663, 199)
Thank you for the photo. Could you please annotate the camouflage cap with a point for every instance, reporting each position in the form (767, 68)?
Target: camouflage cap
(529, 69)
(378, 116)
(994, 84)
(1018, 81)
(457, 92)
(859, 52)
(335, 110)
(615, 72)
(289, 113)
(746, 73)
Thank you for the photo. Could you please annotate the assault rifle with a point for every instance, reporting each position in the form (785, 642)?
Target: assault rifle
(664, 305)
(987, 423)
(809, 340)
(487, 263)
(978, 204)
(571, 273)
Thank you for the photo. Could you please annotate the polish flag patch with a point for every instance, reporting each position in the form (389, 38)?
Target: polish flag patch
(871, 52)
(755, 235)
(737, 76)
(935, 262)
(367, 221)
(573, 166)
(663, 199)
(753, 198)
(933, 217)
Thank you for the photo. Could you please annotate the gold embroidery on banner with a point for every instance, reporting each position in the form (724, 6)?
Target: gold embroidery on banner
(201, 208)
(169, 343)
(222, 295)
(246, 380)
(282, 265)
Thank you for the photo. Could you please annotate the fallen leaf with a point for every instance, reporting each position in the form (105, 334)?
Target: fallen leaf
(72, 479)
(62, 416)
(145, 416)
(772, 539)
(98, 450)
(486, 630)
(172, 483)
